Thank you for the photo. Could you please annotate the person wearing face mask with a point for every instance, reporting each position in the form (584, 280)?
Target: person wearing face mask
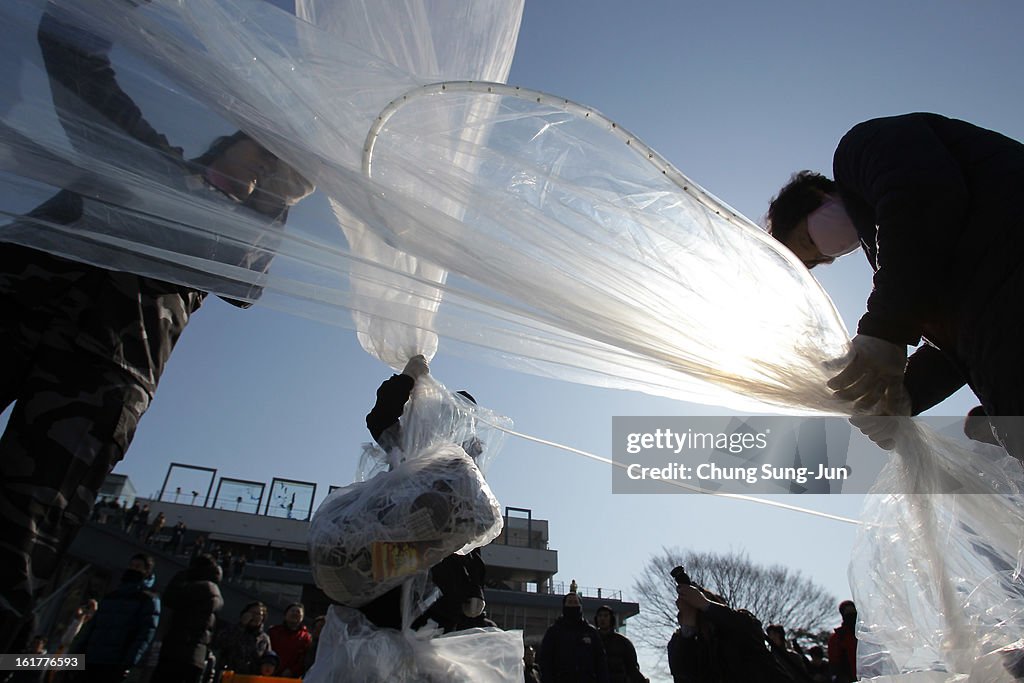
(842, 645)
(120, 633)
(935, 205)
(571, 651)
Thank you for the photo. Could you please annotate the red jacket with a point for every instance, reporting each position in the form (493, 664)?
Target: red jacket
(842, 654)
(291, 647)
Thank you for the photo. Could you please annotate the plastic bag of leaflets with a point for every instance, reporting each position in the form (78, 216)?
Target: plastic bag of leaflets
(410, 508)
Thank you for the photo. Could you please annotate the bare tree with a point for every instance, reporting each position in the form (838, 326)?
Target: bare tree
(775, 595)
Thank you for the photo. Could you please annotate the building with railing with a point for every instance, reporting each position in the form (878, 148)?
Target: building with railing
(259, 533)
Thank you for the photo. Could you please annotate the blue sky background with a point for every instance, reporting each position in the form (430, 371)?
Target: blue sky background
(737, 95)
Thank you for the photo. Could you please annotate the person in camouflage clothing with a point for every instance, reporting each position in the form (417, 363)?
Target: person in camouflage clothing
(82, 348)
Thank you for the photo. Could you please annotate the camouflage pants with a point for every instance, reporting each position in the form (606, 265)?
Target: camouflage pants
(74, 416)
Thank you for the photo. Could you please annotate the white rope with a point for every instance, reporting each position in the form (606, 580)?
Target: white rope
(690, 487)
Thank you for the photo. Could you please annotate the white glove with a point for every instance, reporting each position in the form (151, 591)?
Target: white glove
(874, 375)
(416, 367)
(882, 429)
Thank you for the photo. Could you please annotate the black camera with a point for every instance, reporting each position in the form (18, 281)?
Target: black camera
(680, 575)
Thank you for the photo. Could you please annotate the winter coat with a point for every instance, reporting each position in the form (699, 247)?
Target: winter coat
(842, 654)
(194, 603)
(937, 205)
(728, 647)
(291, 647)
(124, 625)
(239, 649)
(621, 657)
(571, 652)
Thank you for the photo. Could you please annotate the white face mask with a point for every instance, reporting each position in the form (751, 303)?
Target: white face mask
(831, 229)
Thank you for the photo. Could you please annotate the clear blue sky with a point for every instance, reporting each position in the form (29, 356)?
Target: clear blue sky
(737, 95)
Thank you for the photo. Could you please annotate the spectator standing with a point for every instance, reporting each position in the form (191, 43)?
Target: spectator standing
(571, 651)
(716, 643)
(140, 525)
(792, 663)
(117, 638)
(291, 640)
(155, 528)
(131, 515)
(240, 647)
(842, 645)
(618, 650)
(195, 598)
(173, 543)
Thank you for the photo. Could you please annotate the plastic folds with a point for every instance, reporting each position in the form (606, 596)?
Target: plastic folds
(352, 649)
(937, 573)
(369, 537)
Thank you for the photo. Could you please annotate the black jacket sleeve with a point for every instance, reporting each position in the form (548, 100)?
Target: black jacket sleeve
(931, 378)
(392, 396)
(919, 199)
(78, 62)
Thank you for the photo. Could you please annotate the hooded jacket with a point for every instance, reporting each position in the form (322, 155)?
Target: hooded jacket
(194, 600)
(124, 625)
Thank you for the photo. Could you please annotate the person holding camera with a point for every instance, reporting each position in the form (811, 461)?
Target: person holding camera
(715, 643)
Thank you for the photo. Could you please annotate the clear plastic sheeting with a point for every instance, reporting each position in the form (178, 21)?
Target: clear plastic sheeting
(521, 228)
(937, 573)
(433, 417)
(353, 649)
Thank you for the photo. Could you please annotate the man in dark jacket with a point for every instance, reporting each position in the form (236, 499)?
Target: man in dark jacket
(239, 647)
(120, 633)
(618, 650)
(82, 348)
(717, 644)
(194, 598)
(571, 651)
(936, 206)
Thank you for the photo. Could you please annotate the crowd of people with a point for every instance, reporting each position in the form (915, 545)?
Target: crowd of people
(119, 633)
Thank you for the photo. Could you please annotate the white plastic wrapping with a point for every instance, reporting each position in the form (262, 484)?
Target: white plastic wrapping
(936, 572)
(435, 416)
(369, 537)
(524, 225)
(352, 649)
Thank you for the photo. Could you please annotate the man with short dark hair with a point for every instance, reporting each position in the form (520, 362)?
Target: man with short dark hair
(618, 650)
(571, 651)
(936, 206)
(120, 633)
(291, 640)
(792, 663)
